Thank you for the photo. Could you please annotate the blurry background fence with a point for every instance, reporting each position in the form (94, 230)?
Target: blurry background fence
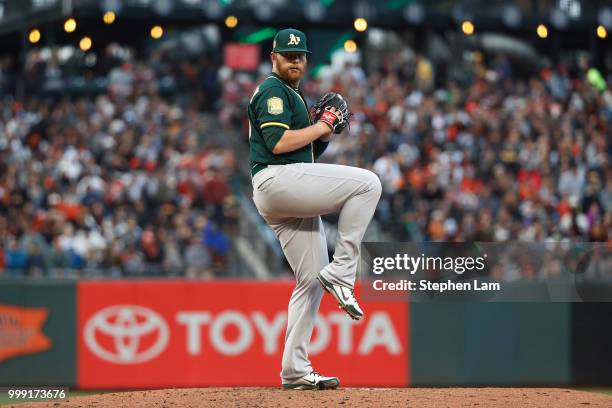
(448, 344)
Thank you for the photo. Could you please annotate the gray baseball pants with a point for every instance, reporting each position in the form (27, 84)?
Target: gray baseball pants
(291, 198)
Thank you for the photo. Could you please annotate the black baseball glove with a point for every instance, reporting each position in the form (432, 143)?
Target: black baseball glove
(337, 121)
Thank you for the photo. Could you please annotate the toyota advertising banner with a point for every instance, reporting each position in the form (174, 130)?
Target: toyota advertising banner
(143, 334)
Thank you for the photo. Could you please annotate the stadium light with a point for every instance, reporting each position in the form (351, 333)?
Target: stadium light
(85, 43)
(157, 32)
(109, 17)
(34, 36)
(350, 46)
(542, 31)
(360, 24)
(70, 25)
(467, 27)
(602, 32)
(231, 21)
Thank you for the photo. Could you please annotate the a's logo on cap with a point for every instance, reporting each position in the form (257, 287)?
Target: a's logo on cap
(274, 44)
(293, 39)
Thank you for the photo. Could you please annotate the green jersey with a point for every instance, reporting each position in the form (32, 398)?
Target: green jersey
(275, 107)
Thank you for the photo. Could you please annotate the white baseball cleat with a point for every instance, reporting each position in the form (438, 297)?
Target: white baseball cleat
(312, 381)
(344, 296)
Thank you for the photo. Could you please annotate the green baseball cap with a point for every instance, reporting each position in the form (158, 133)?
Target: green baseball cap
(290, 40)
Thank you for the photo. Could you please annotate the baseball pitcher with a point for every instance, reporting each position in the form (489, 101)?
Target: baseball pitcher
(291, 191)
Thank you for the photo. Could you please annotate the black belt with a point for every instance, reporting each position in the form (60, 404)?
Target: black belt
(257, 167)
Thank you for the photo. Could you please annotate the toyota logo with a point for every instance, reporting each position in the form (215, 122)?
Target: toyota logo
(126, 334)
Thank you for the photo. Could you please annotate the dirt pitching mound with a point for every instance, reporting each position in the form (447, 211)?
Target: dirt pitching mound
(348, 397)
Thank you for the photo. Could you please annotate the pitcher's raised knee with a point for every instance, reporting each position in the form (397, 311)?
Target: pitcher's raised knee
(373, 183)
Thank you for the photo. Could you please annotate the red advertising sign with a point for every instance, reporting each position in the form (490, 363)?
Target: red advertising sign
(241, 56)
(146, 334)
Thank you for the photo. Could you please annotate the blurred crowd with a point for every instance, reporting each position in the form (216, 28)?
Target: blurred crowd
(56, 71)
(485, 156)
(116, 171)
(122, 182)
